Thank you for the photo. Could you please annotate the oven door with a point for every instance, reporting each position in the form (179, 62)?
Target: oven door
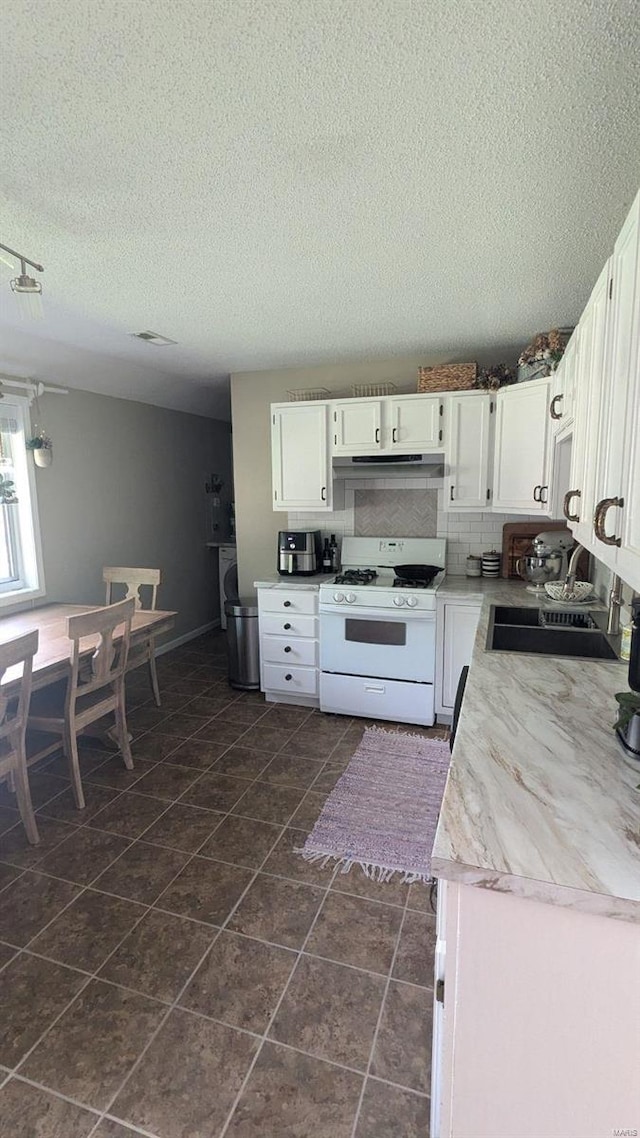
(378, 642)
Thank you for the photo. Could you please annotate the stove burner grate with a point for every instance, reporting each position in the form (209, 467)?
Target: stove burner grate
(401, 583)
(356, 577)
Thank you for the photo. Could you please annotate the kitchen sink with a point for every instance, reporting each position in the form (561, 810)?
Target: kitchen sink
(520, 630)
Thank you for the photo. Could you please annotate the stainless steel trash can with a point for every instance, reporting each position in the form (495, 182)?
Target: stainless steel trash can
(243, 642)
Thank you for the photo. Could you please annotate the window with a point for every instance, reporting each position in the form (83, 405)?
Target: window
(21, 576)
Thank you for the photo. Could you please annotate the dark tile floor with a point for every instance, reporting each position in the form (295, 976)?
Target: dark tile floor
(170, 967)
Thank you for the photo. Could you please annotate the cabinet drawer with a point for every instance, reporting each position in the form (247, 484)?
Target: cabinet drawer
(274, 624)
(301, 680)
(288, 650)
(272, 600)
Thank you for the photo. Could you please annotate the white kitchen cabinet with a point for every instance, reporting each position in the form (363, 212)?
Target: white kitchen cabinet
(469, 424)
(300, 457)
(357, 426)
(521, 471)
(561, 404)
(590, 337)
(617, 469)
(456, 627)
(413, 423)
(401, 424)
(289, 645)
(537, 1035)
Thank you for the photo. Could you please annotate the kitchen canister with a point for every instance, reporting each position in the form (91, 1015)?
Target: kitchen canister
(473, 566)
(491, 563)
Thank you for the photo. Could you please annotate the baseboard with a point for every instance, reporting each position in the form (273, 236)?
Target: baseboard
(186, 637)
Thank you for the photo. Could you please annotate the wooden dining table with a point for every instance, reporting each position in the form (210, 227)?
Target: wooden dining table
(52, 661)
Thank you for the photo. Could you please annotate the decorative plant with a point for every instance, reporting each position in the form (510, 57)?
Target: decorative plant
(8, 496)
(39, 442)
(494, 377)
(547, 348)
(628, 706)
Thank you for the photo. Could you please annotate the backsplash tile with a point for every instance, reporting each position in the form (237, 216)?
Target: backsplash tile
(412, 499)
(395, 513)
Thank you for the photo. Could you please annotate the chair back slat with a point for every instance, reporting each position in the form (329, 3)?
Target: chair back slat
(109, 660)
(133, 580)
(15, 652)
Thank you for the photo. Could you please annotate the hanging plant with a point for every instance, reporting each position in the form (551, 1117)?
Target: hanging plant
(8, 496)
(39, 442)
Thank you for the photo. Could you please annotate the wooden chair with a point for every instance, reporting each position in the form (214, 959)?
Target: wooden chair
(13, 726)
(133, 580)
(94, 689)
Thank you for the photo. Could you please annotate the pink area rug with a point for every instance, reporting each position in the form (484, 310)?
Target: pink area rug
(383, 811)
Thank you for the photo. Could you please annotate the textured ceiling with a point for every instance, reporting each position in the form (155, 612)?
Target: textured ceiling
(289, 182)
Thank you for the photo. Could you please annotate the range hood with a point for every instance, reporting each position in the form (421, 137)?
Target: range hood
(428, 465)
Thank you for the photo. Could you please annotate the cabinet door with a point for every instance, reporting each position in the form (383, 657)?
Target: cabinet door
(588, 390)
(469, 419)
(561, 408)
(628, 561)
(357, 426)
(458, 626)
(618, 383)
(521, 454)
(301, 465)
(415, 423)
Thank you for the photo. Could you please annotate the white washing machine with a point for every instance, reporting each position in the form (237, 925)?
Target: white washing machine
(228, 574)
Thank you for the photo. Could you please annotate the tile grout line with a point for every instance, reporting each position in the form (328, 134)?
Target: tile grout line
(378, 1024)
(273, 1015)
(176, 1004)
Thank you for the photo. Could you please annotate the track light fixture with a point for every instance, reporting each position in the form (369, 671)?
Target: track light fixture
(27, 290)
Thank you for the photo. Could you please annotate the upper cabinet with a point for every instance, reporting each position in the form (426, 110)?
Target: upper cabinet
(561, 404)
(590, 336)
(468, 478)
(522, 448)
(414, 423)
(357, 426)
(300, 457)
(393, 425)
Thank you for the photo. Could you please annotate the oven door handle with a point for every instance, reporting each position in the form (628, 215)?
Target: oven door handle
(400, 614)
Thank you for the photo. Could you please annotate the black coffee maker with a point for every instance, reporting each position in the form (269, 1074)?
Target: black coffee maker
(629, 730)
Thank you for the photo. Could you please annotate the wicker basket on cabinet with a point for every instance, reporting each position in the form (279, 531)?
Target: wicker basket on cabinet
(447, 377)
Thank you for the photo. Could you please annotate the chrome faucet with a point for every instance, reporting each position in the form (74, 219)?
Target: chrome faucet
(570, 578)
(615, 601)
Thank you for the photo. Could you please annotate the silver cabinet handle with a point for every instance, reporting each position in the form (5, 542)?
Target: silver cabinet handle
(600, 518)
(567, 502)
(552, 407)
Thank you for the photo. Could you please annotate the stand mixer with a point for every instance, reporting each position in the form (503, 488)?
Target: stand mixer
(548, 562)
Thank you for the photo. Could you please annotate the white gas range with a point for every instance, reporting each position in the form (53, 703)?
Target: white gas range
(378, 631)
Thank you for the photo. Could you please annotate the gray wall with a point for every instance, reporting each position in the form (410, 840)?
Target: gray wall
(127, 487)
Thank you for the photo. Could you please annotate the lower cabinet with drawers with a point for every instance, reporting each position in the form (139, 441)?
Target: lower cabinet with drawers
(288, 618)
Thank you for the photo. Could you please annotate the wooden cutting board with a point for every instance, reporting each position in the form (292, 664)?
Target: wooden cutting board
(517, 539)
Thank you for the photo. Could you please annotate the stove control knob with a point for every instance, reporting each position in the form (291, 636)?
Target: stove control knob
(350, 598)
(338, 598)
(412, 602)
(399, 601)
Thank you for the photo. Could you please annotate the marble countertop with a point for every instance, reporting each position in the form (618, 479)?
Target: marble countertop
(538, 800)
(306, 584)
